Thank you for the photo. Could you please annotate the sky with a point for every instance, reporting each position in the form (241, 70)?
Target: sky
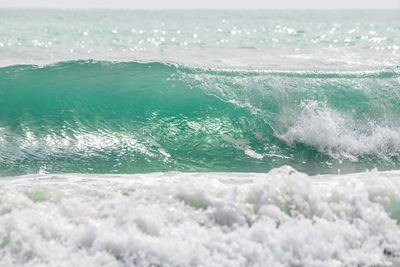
(178, 4)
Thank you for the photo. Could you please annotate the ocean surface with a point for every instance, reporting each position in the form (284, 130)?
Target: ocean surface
(199, 138)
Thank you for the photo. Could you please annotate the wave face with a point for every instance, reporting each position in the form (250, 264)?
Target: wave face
(104, 117)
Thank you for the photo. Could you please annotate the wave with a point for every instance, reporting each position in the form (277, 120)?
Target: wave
(129, 117)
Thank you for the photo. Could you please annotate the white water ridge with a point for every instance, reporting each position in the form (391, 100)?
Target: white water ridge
(282, 218)
(336, 135)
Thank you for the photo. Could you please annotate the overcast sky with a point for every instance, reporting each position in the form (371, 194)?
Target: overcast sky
(160, 4)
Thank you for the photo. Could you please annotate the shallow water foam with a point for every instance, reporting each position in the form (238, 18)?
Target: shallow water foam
(280, 218)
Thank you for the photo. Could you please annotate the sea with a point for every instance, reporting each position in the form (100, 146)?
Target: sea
(199, 137)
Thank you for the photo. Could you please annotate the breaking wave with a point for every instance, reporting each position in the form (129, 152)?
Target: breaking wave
(129, 117)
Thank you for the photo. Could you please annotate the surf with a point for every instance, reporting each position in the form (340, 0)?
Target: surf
(277, 218)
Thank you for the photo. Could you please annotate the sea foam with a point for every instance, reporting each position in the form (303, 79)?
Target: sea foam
(339, 135)
(281, 218)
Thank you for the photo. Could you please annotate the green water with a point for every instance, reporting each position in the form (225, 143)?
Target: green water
(103, 117)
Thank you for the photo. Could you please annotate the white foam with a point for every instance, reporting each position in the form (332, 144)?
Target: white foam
(337, 135)
(282, 218)
(242, 144)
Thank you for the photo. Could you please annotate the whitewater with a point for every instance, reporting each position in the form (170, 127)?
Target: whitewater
(237, 138)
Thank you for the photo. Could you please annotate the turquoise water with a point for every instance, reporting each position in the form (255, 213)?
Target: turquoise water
(102, 117)
(139, 91)
(199, 138)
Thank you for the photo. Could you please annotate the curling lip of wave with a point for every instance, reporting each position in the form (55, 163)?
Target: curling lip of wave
(382, 72)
